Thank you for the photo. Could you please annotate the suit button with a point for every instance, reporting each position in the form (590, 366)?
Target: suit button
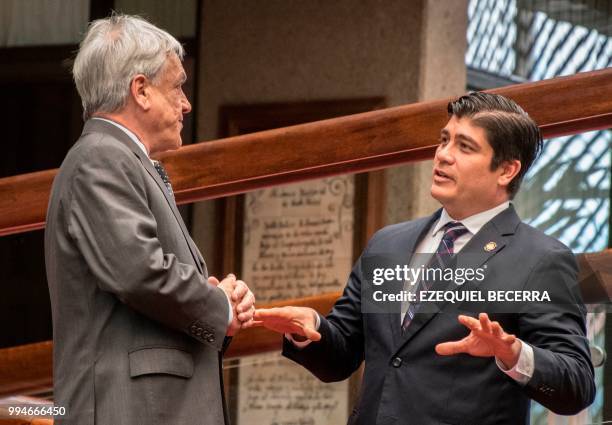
(210, 339)
(396, 362)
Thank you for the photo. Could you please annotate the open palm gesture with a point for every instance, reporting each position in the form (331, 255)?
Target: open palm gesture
(291, 320)
(486, 339)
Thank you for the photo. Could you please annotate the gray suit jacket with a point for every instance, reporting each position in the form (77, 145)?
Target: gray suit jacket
(137, 330)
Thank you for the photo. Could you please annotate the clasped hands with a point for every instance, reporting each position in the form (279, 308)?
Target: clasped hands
(486, 338)
(241, 299)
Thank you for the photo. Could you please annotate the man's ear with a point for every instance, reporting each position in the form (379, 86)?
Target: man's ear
(509, 170)
(140, 90)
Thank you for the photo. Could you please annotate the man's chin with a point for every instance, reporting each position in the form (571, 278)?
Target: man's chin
(167, 146)
(177, 143)
(439, 194)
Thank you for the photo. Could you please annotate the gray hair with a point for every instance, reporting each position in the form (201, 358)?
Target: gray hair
(113, 52)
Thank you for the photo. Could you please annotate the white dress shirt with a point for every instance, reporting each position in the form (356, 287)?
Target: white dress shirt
(134, 139)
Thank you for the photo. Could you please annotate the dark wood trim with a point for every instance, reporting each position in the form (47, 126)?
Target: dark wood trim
(370, 207)
(192, 47)
(36, 63)
(191, 50)
(37, 54)
(99, 9)
(230, 235)
(51, 63)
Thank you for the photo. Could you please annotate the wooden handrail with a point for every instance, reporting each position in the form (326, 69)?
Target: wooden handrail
(355, 143)
(28, 369)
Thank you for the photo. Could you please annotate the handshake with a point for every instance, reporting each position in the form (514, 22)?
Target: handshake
(486, 337)
(300, 322)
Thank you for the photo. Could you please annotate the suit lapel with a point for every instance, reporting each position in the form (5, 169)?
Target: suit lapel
(409, 247)
(99, 126)
(172, 204)
(485, 244)
(490, 240)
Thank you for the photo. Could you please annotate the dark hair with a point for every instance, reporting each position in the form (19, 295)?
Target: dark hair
(510, 131)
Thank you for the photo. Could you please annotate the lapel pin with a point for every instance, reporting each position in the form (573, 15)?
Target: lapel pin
(490, 246)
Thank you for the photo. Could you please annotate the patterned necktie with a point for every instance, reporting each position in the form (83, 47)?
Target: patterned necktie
(164, 176)
(452, 231)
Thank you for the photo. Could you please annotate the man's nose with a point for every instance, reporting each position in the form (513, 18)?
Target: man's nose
(185, 105)
(444, 153)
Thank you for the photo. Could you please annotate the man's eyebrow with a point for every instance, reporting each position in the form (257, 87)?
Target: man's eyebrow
(182, 77)
(469, 139)
(444, 132)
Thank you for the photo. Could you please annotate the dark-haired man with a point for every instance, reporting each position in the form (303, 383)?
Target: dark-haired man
(457, 365)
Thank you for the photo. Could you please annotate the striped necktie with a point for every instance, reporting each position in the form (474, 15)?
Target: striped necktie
(452, 231)
(164, 176)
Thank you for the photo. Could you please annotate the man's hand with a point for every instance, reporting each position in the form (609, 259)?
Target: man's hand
(292, 320)
(241, 298)
(486, 339)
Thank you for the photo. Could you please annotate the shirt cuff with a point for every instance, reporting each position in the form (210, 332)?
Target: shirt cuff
(523, 369)
(230, 313)
(302, 344)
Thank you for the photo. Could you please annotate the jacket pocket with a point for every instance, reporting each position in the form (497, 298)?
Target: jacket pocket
(160, 360)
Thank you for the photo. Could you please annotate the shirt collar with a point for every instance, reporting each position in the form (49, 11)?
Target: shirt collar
(131, 135)
(473, 223)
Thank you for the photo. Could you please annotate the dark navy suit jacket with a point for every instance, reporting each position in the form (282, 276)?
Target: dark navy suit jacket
(406, 382)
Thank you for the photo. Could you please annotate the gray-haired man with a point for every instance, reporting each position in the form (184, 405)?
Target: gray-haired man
(138, 329)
